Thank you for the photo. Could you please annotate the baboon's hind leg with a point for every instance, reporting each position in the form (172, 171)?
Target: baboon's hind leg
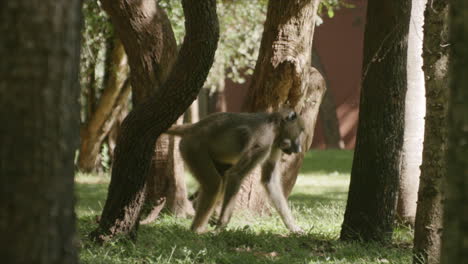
(204, 171)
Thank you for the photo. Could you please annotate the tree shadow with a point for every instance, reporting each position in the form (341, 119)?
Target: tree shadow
(246, 246)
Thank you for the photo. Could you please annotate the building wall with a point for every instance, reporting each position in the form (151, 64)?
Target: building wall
(338, 42)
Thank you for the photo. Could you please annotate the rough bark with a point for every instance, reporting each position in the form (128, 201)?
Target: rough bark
(284, 76)
(428, 226)
(144, 124)
(39, 113)
(150, 64)
(166, 185)
(149, 42)
(113, 98)
(455, 237)
(415, 107)
(375, 173)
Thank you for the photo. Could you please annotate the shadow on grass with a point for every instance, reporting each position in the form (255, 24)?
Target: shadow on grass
(174, 243)
(327, 161)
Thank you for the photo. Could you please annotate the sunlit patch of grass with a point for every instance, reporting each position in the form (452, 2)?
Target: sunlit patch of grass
(318, 202)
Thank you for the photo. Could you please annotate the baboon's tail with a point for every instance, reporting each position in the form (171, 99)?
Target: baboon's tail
(179, 130)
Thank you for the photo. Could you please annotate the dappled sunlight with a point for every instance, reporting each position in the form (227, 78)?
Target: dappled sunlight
(317, 202)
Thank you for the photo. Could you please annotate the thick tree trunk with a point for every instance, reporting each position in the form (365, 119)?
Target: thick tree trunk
(39, 113)
(455, 237)
(373, 190)
(284, 76)
(113, 98)
(144, 124)
(428, 226)
(166, 182)
(415, 109)
(151, 63)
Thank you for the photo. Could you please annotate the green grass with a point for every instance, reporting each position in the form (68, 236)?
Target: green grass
(318, 202)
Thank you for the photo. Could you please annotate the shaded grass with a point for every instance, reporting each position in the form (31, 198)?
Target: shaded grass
(317, 201)
(328, 161)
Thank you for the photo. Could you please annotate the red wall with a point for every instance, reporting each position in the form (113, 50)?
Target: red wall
(338, 43)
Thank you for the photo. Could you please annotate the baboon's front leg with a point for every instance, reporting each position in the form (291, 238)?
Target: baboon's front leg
(271, 180)
(234, 177)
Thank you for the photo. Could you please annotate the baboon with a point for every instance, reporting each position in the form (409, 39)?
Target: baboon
(221, 149)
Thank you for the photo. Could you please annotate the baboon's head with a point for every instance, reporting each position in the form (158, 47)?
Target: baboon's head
(291, 132)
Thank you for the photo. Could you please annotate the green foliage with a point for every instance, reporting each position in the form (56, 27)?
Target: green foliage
(96, 32)
(330, 6)
(241, 28)
(318, 203)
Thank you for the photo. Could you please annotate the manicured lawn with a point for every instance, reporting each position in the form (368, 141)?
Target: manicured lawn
(318, 201)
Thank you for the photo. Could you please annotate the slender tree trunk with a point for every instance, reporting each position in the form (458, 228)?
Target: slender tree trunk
(370, 210)
(428, 226)
(284, 76)
(144, 124)
(217, 96)
(99, 124)
(192, 114)
(90, 90)
(39, 113)
(455, 237)
(415, 109)
(330, 124)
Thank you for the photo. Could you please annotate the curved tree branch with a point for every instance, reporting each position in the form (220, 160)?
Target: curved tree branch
(141, 128)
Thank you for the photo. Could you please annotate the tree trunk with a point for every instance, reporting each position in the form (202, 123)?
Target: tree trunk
(167, 175)
(114, 132)
(414, 118)
(428, 226)
(192, 114)
(113, 97)
(166, 184)
(284, 76)
(144, 124)
(39, 113)
(375, 173)
(455, 237)
(90, 90)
